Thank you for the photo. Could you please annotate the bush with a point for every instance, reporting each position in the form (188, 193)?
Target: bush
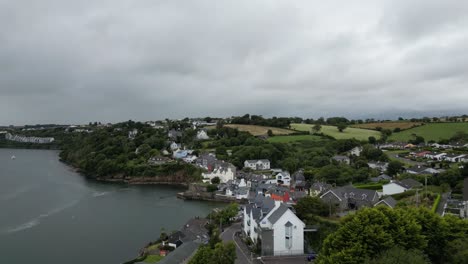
(212, 188)
(370, 186)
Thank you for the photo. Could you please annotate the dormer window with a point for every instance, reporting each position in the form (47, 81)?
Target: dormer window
(351, 195)
(364, 196)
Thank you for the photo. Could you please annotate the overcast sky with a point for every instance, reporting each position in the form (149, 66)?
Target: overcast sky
(114, 60)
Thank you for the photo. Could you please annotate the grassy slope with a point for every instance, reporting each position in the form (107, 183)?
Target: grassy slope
(436, 131)
(259, 130)
(287, 139)
(350, 132)
(388, 125)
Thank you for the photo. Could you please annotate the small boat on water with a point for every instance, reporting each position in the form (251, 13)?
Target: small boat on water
(13, 157)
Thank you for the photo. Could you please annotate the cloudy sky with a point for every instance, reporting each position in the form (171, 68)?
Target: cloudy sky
(114, 60)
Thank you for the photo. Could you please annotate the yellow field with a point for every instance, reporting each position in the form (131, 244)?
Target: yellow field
(259, 130)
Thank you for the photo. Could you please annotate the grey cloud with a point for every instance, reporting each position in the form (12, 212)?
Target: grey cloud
(65, 61)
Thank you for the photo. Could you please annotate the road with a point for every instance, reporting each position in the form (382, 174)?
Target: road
(243, 255)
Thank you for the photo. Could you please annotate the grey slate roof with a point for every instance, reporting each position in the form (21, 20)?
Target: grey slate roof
(255, 161)
(355, 193)
(276, 215)
(417, 169)
(388, 201)
(409, 183)
(181, 254)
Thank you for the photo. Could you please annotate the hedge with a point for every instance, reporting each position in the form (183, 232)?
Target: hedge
(370, 186)
(436, 203)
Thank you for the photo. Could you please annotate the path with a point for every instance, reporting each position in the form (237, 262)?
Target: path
(443, 202)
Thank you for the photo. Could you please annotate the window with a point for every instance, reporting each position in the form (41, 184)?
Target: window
(288, 235)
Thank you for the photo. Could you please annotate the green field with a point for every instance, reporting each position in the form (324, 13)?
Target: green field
(436, 131)
(350, 132)
(287, 139)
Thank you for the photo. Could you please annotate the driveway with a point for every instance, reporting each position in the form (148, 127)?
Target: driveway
(443, 202)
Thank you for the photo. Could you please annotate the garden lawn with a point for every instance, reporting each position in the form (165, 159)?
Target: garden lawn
(294, 138)
(435, 131)
(348, 133)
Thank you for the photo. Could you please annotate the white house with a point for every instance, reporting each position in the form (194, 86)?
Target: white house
(356, 151)
(262, 164)
(223, 170)
(280, 230)
(435, 156)
(190, 158)
(133, 133)
(396, 187)
(283, 178)
(202, 135)
(454, 157)
(174, 146)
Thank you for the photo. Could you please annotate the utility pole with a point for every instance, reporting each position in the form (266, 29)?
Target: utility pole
(425, 181)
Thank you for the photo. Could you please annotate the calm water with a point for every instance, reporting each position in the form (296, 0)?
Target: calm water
(50, 214)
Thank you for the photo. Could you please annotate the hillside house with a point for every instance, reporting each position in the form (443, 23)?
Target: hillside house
(356, 151)
(174, 134)
(342, 159)
(396, 187)
(223, 170)
(174, 146)
(435, 156)
(262, 164)
(381, 166)
(207, 161)
(454, 157)
(158, 160)
(279, 229)
(421, 170)
(202, 135)
(298, 181)
(283, 178)
(350, 198)
(132, 134)
(319, 188)
(381, 177)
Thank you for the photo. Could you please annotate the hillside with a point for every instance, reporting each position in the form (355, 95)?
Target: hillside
(348, 133)
(388, 125)
(259, 130)
(293, 138)
(434, 131)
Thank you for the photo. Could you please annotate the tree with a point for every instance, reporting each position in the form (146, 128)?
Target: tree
(398, 255)
(316, 128)
(221, 254)
(215, 180)
(270, 133)
(372, 140)
(369, 232)
(311, 206)
(394, 167)
(341, 127)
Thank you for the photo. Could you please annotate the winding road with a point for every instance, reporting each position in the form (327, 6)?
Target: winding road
(243, 254)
